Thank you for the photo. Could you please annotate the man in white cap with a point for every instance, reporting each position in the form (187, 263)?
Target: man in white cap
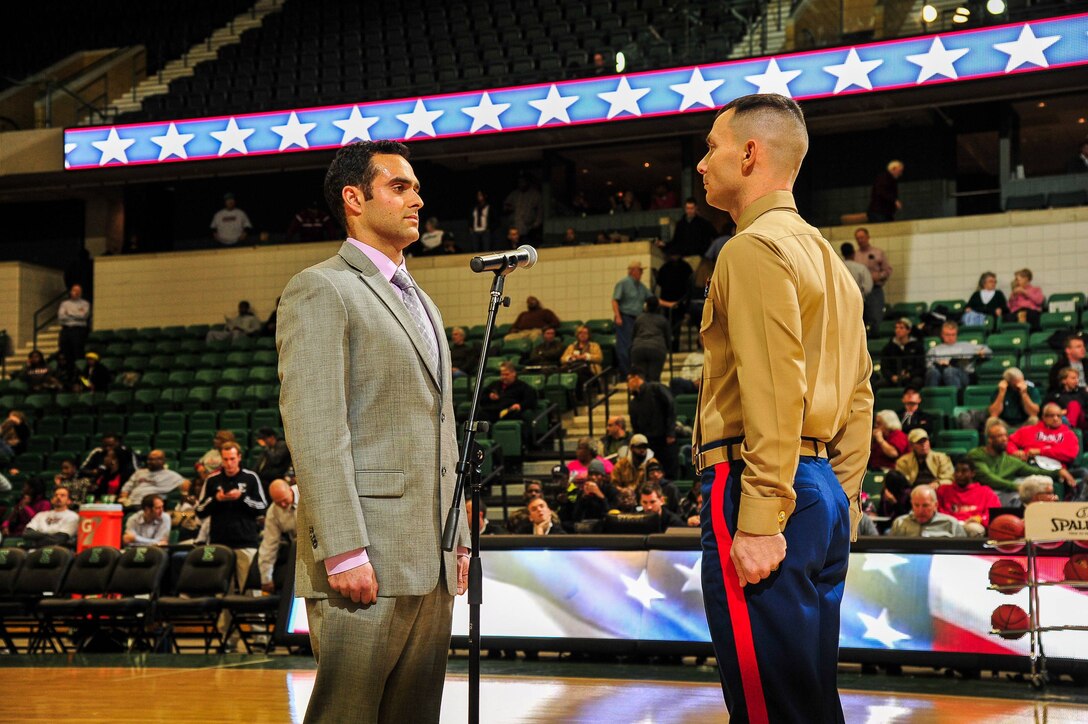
(628, 299)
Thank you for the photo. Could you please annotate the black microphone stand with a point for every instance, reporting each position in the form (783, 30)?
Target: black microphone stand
(468, 470)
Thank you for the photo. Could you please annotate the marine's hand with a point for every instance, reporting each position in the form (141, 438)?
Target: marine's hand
(359, 584)
(756, 556)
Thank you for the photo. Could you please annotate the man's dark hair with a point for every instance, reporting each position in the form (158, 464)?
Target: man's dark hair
(352, 166)
(968, 462)
(652, 305)
(911, 391)
(847, 250)
(764, 101)
(263, 432)
(690, 200)
(69, 460)
(115, 435)
(148, 502)
(650, 489)
(637, 372)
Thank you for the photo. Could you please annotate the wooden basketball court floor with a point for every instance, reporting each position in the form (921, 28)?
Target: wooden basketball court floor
(255, 689)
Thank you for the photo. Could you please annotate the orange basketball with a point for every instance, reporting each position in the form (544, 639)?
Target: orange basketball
(1008, 573)
(1006, 527)
(1010, 621)
(1076, 568)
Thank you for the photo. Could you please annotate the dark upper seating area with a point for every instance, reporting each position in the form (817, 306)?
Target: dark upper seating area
(42, 33)
(329, 51)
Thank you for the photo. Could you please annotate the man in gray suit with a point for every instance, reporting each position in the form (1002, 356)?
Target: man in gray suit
(368, 416)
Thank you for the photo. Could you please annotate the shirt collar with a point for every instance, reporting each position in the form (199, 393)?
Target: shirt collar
(386, 266)
(773, 200)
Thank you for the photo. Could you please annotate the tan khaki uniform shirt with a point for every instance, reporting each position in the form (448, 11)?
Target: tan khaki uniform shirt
(785, 358)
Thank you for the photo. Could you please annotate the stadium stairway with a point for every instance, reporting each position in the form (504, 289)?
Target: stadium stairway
(48, 342)
(754, 43)
(208, 49)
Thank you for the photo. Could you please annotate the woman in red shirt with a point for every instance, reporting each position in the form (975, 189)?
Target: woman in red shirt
(889, 441)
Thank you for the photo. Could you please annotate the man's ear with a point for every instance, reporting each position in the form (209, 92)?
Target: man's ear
(353, 198)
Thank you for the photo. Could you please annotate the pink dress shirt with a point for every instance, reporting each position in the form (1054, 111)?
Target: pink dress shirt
(387, 267)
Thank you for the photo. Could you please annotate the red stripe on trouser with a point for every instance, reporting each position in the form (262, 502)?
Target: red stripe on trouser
(738, 605)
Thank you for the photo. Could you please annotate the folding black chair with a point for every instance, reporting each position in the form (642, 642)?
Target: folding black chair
(89, 576)
(42, 575)
(11, 563)
(130, 604)
(253, 616)
(205, 578)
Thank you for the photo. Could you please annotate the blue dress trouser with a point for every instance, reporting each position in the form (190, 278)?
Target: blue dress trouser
(777, 642)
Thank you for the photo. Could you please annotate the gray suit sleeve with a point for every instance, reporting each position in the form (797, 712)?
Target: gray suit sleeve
(311, 335)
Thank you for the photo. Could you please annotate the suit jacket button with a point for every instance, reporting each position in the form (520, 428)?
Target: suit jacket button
(443, 417)
(443, 471)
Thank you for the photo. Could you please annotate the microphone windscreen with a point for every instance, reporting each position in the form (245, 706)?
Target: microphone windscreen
(531, 253)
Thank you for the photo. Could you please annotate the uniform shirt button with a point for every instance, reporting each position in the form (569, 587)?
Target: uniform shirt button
(781, 516)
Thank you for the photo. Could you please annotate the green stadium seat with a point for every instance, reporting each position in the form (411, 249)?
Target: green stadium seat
(241, 343)
(888, 398)
(172, 333)
(169, 441)
(63, 401)
(199, 398)
(139, 442)
(967, 439)
(37, 402)
(560, 389)
(160, 362)
(144, 399)
(501, 330)
(909, 309)
(1058, 320)
(1063, 298)
(56, 459)
(73, 441)
(173, 422)
(111, 422)
(228, 396)
(134, 363)
(601, 326)
(100, 337)
(81, 425)
(213, 360)
(516, 347)
(507, 434)
(41, 444)
(143, 348)
(567, 328)
(939, 399)
(1002, 342)
(261, 374)
(186, 361)
(29, 463)
(974, 335)
(978, 397)
(192, 346)
(53, 425)
(218, 345)
(143, 422)
(117, 349)
(239, 359)
(265, 357)
(686, 406)
(180, 378)
(154, 379)
(1021, 327)
(203, 420)
(235, 375)
(876, 345)
(1038, 364)
(116, 400)
(87, 402)
(171, 398)
(169, 347)
(992, 369)
(257, 394)
(534, 381)
(1040, 341)
(198, 331)
(873, 484)
(265, 418)
(148, 333)
(266, 343)
(208, 376)
(188, 458)
(234, 419)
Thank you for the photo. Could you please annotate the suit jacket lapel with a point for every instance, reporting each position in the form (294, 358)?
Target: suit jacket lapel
(383, 289)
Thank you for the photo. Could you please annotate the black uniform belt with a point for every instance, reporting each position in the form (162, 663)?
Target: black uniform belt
(728, 450)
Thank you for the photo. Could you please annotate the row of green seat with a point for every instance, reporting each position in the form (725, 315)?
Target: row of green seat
(123, 348)
(596, 326)
(150, 422)
(188, 399)
(956, 306)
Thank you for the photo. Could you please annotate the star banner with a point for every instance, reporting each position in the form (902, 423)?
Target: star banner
(953, 57)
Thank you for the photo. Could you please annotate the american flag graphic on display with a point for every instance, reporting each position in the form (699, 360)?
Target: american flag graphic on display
(1034, 46)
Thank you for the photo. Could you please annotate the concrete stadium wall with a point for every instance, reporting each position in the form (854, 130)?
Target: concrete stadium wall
(24, 288)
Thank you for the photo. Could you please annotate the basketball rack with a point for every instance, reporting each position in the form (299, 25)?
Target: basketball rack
(1043, 523)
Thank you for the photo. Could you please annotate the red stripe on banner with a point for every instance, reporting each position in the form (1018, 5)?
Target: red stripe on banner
(738, 605)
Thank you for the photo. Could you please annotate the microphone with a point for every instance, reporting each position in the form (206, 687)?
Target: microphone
(523, 256)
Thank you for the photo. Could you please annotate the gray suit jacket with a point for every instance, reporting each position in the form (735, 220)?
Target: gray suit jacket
(370, 428)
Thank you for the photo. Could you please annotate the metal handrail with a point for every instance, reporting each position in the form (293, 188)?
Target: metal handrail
(602, 378)
(51, 304)
(555, 429)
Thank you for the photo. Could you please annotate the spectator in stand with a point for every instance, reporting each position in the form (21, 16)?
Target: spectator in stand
(988, 300)
(108, 478)
(246, 324)
(889, 441)
(674, 292)
(58, 526)
(625, 202)
(542, 519)
(600, 65)
(1079, 163)
(152, 479)
(480, 223)
(1001, 471)
(921, 465)
(549, 352)
(268, 329)
(531, 323)
(312, 224)
(230, 224)
(519, 522)
(32, 502)
(1073, 354)
(570, 237)
(525, 208)
(234, 499)
(148, 526)
(509, 398)
(582, 356)
(78, 485)
(628, 301)
(626, 480)
(881, 271)
(486, 528)
(924, 521)
(464, 355)
(615, 440)
(693, 233)
(1046, 441)
(513, 238)
(639, 453)
(651, 341)
(651, 500)
(912, 417)
(1015, 401)
(96, 376)
(430, 241)
(691, 505)
(588, 497)
(1037, 489)
(968, 500)
(95, 461)
(449, 245)
(903, 359)
(14, 434)
(687, 378)
(664, 198)
(37, 374)
(1026, 300)
(1072, 399)
(655, 475)
(584, 454)
(280, 522)
(211, 461)
(74, 315)
(653, 414)
(951, 362)
(859, 271)
(884, 200)
(275, 460)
